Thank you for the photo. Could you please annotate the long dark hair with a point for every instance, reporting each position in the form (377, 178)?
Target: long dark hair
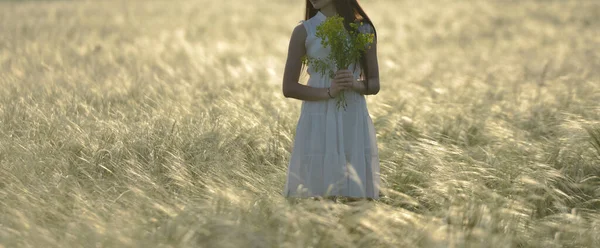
(352, 12)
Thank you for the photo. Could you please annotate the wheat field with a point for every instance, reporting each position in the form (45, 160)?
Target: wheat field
(163, 124)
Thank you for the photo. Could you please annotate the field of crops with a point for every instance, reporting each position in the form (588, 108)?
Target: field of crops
(129, 123)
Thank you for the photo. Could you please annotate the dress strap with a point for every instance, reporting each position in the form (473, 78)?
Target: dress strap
(310, 29)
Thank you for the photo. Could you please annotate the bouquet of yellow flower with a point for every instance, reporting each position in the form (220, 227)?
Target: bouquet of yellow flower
(346, 48)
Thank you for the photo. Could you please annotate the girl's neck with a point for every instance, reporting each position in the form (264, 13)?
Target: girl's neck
(328, 10)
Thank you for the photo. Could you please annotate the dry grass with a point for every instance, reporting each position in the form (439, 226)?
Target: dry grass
(162, 124)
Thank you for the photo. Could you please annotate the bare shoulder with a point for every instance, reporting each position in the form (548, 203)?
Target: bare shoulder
(299, 33)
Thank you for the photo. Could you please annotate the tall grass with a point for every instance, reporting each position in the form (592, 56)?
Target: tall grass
(162, 124)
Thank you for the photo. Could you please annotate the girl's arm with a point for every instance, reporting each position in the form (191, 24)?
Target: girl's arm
(373, 79)
(291, 74)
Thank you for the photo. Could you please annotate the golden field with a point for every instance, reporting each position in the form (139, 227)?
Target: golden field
(163, 124)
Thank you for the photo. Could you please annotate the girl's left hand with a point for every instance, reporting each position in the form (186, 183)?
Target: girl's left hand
(348, 77)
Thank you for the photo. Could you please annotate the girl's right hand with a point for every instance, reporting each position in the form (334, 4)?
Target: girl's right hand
(338, 84)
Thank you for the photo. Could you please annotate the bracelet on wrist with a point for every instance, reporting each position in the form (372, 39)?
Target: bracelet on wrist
(329, 92)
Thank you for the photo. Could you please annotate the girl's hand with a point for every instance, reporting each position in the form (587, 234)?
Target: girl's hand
(339, 83)
(347, 77)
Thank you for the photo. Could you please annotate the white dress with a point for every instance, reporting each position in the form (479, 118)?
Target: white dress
(334, 151)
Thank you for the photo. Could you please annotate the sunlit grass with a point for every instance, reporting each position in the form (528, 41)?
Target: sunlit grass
(163, 124)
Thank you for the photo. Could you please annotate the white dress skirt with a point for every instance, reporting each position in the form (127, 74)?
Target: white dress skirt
(335, 151)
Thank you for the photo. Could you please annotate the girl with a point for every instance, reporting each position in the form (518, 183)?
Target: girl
(335, 151)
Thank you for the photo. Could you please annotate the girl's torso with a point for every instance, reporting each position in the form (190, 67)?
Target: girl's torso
(314, 49)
